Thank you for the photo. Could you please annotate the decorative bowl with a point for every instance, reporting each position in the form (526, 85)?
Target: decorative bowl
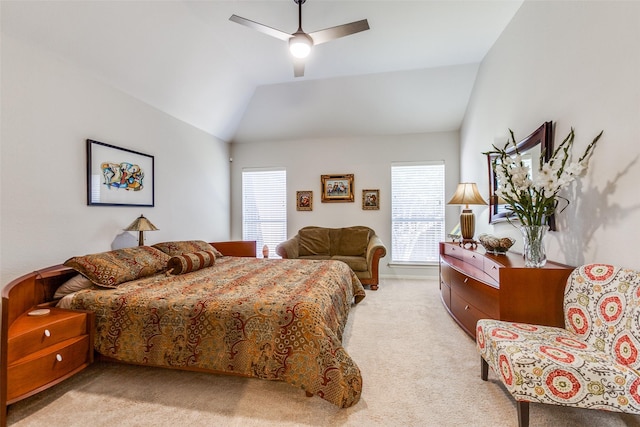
(495, 245)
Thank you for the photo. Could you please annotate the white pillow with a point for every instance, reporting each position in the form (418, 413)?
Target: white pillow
(65, 301)
(76, 283)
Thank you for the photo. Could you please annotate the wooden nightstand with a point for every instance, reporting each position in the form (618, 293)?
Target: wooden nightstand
(47, 349)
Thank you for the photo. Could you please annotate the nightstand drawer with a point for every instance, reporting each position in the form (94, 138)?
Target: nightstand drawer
(30, 334)
(45, 366)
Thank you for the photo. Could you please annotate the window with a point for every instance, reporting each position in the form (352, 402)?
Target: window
(264, 208)
(417, 212)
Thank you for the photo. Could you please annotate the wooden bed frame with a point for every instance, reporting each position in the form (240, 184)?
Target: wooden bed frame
(36, 290)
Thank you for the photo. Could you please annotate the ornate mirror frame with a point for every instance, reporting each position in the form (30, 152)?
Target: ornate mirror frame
(541, 138)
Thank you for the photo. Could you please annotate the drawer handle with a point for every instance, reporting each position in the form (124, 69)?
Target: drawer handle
(59, 357)
(47, 333)
(473, 256)
(466, 307)
(494, 268)
(466, 279)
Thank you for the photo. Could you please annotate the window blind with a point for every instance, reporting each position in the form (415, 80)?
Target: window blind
(264, 208)
(417, 212)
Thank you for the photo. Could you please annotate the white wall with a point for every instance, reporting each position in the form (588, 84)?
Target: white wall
(577, 64)
(49, 109)
(368, 158)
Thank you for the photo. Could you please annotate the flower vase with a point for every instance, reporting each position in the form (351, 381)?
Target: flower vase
(535, 254)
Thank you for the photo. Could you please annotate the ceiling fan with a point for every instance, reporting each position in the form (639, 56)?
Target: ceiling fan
(300, 43)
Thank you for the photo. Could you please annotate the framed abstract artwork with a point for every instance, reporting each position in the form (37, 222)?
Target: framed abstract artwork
(304, 200)
(337, 188)
(118, 176)
(370, 199)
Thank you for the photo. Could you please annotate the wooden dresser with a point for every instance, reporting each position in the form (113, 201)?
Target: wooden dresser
(476, 285)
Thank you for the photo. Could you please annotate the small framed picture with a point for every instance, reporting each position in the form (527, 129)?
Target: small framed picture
(304, 200)
(337, 188)
(370, 199)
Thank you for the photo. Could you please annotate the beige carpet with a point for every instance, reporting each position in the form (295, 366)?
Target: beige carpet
(419, 369)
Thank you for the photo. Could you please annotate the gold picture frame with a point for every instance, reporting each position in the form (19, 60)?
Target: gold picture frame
(337, 188)
(370, 200)
(304, 200)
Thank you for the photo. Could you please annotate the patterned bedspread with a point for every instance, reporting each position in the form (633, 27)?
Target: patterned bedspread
(270, 319)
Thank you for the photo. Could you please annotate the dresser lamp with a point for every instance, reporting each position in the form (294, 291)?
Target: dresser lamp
(467, 194)
(141, 225)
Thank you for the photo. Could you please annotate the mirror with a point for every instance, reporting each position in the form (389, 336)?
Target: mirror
(530, 148)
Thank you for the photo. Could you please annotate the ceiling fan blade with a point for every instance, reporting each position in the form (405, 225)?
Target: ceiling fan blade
(298, 67)
(260, 27)
(333, 33)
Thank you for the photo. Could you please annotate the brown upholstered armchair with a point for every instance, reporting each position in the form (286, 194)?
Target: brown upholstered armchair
(359, 247)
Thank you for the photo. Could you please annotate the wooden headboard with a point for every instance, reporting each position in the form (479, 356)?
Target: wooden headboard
(243, 248)
(38, 287)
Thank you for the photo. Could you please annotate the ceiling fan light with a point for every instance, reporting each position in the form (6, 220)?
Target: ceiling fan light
(300, 45)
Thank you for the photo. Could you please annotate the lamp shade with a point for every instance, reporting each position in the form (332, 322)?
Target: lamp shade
(467, 194)
(141, 225)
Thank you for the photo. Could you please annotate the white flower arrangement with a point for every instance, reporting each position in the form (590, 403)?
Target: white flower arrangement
(533, 201)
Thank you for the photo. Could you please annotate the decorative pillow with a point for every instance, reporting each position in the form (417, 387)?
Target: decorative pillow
(354, 242)
(75, 284)
(314, 241)
(187, 263)
(186, 247)
(109, 269)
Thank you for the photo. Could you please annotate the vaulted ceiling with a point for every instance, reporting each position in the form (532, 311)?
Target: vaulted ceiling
(412, 72)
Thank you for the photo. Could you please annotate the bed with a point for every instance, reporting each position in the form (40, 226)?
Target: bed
(265, 318)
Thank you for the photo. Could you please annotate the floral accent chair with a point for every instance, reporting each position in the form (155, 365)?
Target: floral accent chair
(593, 363)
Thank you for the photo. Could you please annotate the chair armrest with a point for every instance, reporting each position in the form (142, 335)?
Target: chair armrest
(288, 248)
(375, 249)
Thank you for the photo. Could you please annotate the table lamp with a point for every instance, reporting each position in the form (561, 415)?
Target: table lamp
(467, 194)
(141, 225)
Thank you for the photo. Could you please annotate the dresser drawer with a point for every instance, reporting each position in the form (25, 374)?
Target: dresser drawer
(483, 296)
(445, 292)
(492, 269)
(445, 272)
(30, 334)
(45, 366)
(454, 251)
(474, 258)
(466, 314)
